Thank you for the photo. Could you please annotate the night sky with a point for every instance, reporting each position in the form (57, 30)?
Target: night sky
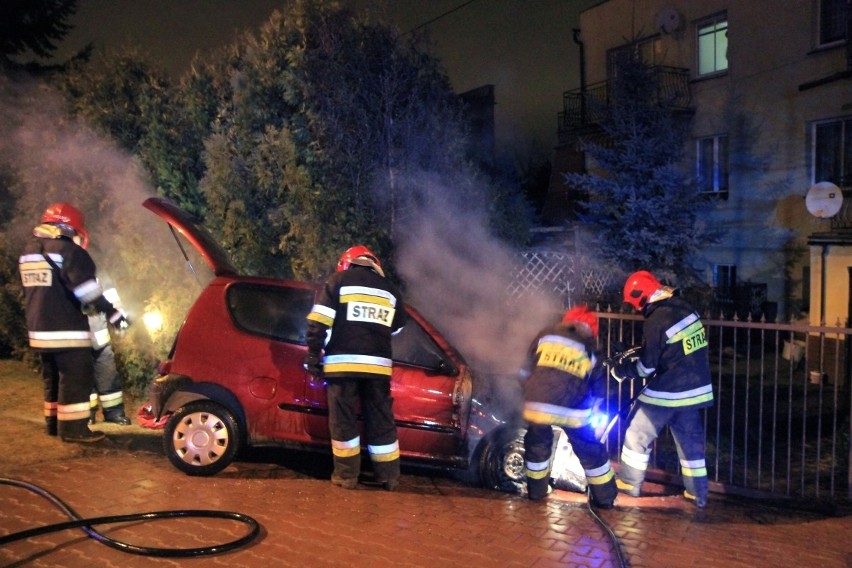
(523, 47)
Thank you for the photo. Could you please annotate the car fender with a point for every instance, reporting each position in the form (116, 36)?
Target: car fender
(192, 391)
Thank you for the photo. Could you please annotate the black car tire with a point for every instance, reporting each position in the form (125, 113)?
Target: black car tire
(201, 438)
(501, 462)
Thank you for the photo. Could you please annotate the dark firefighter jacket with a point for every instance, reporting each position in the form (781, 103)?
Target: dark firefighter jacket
(362, 310)
(564, 377)
(59, 278)
(674, 350)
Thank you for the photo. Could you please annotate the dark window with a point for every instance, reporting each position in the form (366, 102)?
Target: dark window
(724, 281)
(832, 152)
(832, 21)
(280, 312)
(413, 346)
(276, 312)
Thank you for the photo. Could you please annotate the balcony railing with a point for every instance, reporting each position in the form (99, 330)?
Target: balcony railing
(842, 221)
(585, 108)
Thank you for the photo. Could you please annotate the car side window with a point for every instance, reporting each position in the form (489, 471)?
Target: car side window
(276, 312)
(413, 346)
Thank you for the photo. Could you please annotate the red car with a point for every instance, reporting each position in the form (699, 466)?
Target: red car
(234, 378)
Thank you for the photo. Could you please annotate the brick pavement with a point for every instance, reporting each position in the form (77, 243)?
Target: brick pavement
(431, 521)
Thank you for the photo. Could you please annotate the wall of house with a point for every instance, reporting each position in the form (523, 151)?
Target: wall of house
(758, 104)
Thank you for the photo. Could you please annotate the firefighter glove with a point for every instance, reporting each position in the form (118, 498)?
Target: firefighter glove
(312, 365)
(118, 320)
(623, 371)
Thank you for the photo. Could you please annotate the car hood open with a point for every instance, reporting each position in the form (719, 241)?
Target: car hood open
(179, 220)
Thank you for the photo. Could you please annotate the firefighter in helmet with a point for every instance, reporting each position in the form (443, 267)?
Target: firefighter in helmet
(564, 380)
(351, 324)
(59, 278)
(674, 361)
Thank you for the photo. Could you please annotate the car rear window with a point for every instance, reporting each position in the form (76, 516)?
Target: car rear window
(276, 312)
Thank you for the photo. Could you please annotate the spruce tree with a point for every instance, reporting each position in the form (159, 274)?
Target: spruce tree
(643, 210)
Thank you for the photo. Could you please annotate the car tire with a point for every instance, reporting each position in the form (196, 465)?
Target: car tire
(501, 462)
(201, 438)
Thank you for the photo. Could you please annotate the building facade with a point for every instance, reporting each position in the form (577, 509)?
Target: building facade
(769, 87)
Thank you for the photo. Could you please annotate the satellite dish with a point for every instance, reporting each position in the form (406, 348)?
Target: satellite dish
(823, 200)
(668, 21)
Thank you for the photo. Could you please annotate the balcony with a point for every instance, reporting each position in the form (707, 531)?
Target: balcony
(583, 110)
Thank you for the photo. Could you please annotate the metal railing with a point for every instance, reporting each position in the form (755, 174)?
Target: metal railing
(585, 107)
(780, 425)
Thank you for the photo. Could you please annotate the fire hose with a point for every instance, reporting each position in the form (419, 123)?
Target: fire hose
(623, 413)
(86, 524)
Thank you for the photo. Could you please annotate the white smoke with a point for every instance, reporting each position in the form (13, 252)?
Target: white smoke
(54, 157)
(459, 275)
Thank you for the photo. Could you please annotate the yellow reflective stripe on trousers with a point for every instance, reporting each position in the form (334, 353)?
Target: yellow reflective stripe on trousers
(385, 453)
(50, 409)
(346, 449)
(76, 411)
(634, 459)
(537, 470)
(599, 475)
(112, 399)
(693, 468)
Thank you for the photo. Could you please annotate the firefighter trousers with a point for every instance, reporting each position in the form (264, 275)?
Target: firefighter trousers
(108, 389)
(688, 433)
(376, 406)
(538, 446)
(68, 379)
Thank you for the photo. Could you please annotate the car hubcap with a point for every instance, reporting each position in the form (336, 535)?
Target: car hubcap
(513, 466)
(200, 438)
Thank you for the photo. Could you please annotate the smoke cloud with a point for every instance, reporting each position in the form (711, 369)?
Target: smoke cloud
(49, 157)
(459, 275)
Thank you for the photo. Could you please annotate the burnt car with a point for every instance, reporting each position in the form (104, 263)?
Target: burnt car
(234, 378)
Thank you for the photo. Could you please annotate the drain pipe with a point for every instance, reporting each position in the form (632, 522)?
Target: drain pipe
(579, 42)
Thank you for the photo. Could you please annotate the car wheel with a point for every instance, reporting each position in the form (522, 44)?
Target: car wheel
(201, 438)
(501, 462)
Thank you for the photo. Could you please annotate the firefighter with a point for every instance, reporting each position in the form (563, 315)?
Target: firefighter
(59, 278)
(108, 388)
(564, 381)
(675, 363)
(351, 324)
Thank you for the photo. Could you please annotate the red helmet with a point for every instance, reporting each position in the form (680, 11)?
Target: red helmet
(639, 288)
(66, 214)
(355, 252)
(583, 316)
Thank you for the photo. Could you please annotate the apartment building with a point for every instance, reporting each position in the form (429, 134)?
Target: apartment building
(768, 84)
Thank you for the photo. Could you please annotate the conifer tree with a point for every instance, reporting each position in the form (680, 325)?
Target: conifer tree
(643, 209)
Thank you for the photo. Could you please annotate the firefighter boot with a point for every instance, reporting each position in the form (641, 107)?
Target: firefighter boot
(699, 500)
(116, 416)
(50, 425)
(627, 488)
(93, 416)
(77, 431)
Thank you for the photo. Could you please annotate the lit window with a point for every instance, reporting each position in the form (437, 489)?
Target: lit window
(832, 152)
(832, 21)
(713, 45)
(711, 164)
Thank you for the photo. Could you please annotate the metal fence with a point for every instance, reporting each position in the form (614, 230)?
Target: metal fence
(780, 425)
